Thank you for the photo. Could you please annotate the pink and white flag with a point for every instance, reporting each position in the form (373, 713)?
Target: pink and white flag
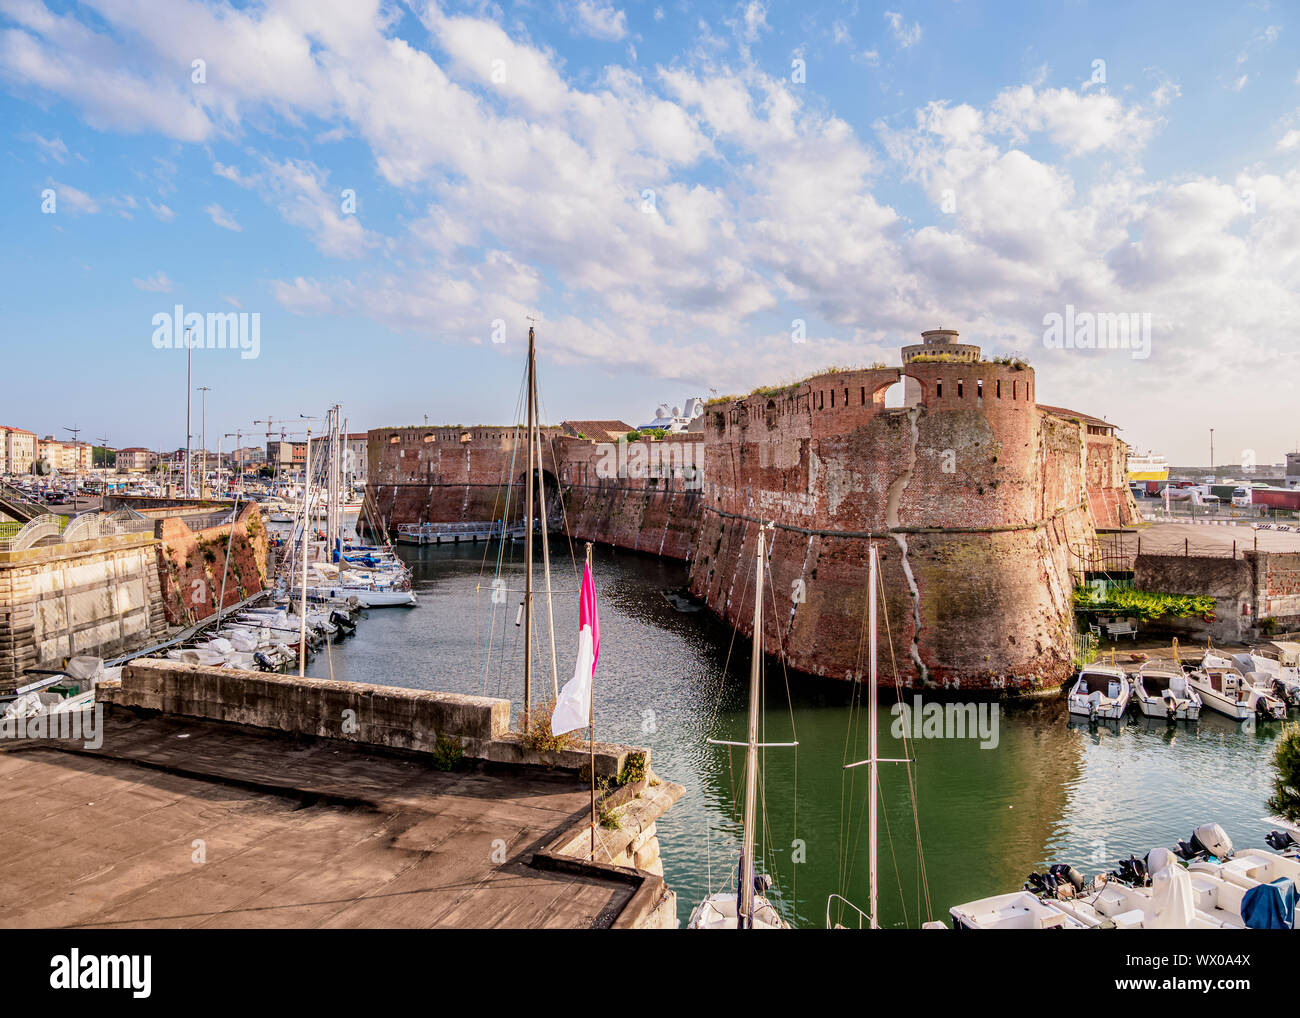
(573, 708)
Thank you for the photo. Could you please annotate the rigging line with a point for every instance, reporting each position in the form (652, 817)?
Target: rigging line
(564, 516)
(923, 877)
(851, 740)
(789, 700)
(514, 446)
(893, 855)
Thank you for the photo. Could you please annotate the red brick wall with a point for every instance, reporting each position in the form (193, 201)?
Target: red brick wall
(191, 564)
(988, 494)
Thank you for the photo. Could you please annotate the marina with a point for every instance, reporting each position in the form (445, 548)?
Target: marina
(472, 471)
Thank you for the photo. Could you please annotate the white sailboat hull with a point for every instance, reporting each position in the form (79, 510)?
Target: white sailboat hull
(718, 912)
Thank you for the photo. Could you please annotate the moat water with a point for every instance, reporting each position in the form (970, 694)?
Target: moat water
(1048, 791)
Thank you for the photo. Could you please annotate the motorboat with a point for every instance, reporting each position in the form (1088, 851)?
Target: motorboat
(1100, 693)
(1223, 688)
(1161, 690)
(1017, 910)
(1269, 672)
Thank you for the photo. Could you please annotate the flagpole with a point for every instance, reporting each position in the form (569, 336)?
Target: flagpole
(591, 719)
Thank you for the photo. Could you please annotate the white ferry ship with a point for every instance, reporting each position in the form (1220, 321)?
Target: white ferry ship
(1147, 467)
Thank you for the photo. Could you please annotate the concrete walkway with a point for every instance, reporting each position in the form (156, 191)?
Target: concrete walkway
(182, 823)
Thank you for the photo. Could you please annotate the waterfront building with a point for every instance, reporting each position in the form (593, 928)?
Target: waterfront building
(17, 450)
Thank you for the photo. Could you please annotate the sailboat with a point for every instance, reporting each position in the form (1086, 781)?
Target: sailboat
(746, 908)
(871, 916)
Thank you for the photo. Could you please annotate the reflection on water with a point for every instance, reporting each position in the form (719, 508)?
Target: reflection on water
(1050, 791)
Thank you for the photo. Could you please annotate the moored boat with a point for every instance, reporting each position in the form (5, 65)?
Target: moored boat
(1161, 690)
(1101, 692)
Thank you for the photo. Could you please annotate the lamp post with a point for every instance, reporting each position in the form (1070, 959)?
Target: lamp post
(189, 346)
(203, 437)
(76, 467)
(239, 459)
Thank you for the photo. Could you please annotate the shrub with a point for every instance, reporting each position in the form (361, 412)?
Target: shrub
(447, 753)
(539, 737)
(1285, 800)
(633, 769)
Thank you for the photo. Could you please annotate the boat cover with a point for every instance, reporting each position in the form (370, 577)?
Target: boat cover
(1270, 906)
(1214, 839)
(1172, 907)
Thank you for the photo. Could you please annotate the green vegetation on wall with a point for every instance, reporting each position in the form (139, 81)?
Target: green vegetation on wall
(1141, 604)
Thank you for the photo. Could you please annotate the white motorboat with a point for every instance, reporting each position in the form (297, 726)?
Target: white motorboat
(1161, 690)
(1223, 688)
(1269, 672)
(1016, 910)
(1100, 693)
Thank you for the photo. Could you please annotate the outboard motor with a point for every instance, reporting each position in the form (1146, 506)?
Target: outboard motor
(1281, 841)
(263, 661)
(1064, 873)
(1132, 871)
(1208, 841)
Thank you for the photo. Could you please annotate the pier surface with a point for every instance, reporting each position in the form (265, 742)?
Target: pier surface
(183, 822)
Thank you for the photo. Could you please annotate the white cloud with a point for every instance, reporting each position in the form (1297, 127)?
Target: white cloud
(70, 199)
(1289, 141)
(763, 206)
(157, 283)
(161, 211)
(302, 296)
(222, 218)
(600, 20)
(905, 35)
(50, 148)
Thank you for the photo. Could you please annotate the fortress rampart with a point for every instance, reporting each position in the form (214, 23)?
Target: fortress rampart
(977, 498)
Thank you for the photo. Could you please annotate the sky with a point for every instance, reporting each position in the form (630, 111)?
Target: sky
(686, 198)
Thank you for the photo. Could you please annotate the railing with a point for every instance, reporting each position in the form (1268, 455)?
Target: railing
(863, 918)
(16, 504)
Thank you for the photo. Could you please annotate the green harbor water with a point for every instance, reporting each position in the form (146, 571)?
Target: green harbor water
(1046, 791)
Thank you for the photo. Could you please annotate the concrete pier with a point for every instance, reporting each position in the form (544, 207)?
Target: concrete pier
(186, 817)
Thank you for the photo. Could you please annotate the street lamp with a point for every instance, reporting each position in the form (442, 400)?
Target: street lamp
(76, 467)
(189, 346)
(203, 437)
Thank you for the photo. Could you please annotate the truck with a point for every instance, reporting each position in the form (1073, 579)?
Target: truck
(1276, 498)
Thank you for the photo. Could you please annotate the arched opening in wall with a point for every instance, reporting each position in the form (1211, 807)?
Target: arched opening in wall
(549, 496)
(895, 395)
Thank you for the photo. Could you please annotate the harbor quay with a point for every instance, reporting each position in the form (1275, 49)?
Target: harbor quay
(218, 798)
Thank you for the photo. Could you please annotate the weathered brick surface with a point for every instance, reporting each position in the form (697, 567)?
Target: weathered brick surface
(978, 501)
(191, 565)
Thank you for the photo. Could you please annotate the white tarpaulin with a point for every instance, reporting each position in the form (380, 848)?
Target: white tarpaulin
(1171, 892)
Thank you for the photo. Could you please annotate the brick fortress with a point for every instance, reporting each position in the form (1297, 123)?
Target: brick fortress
(978, 498)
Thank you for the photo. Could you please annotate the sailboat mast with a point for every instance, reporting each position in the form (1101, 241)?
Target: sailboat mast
(745, 890)
(873, 710)
(546, 561)
(528, 537)
(302, 621)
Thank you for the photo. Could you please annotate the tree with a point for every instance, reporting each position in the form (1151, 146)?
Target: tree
(1285, 800)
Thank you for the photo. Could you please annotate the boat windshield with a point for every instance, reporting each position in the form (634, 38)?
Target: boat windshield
(1098, 682)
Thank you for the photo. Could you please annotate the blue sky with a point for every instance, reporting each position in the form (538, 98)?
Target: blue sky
(965, 164)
